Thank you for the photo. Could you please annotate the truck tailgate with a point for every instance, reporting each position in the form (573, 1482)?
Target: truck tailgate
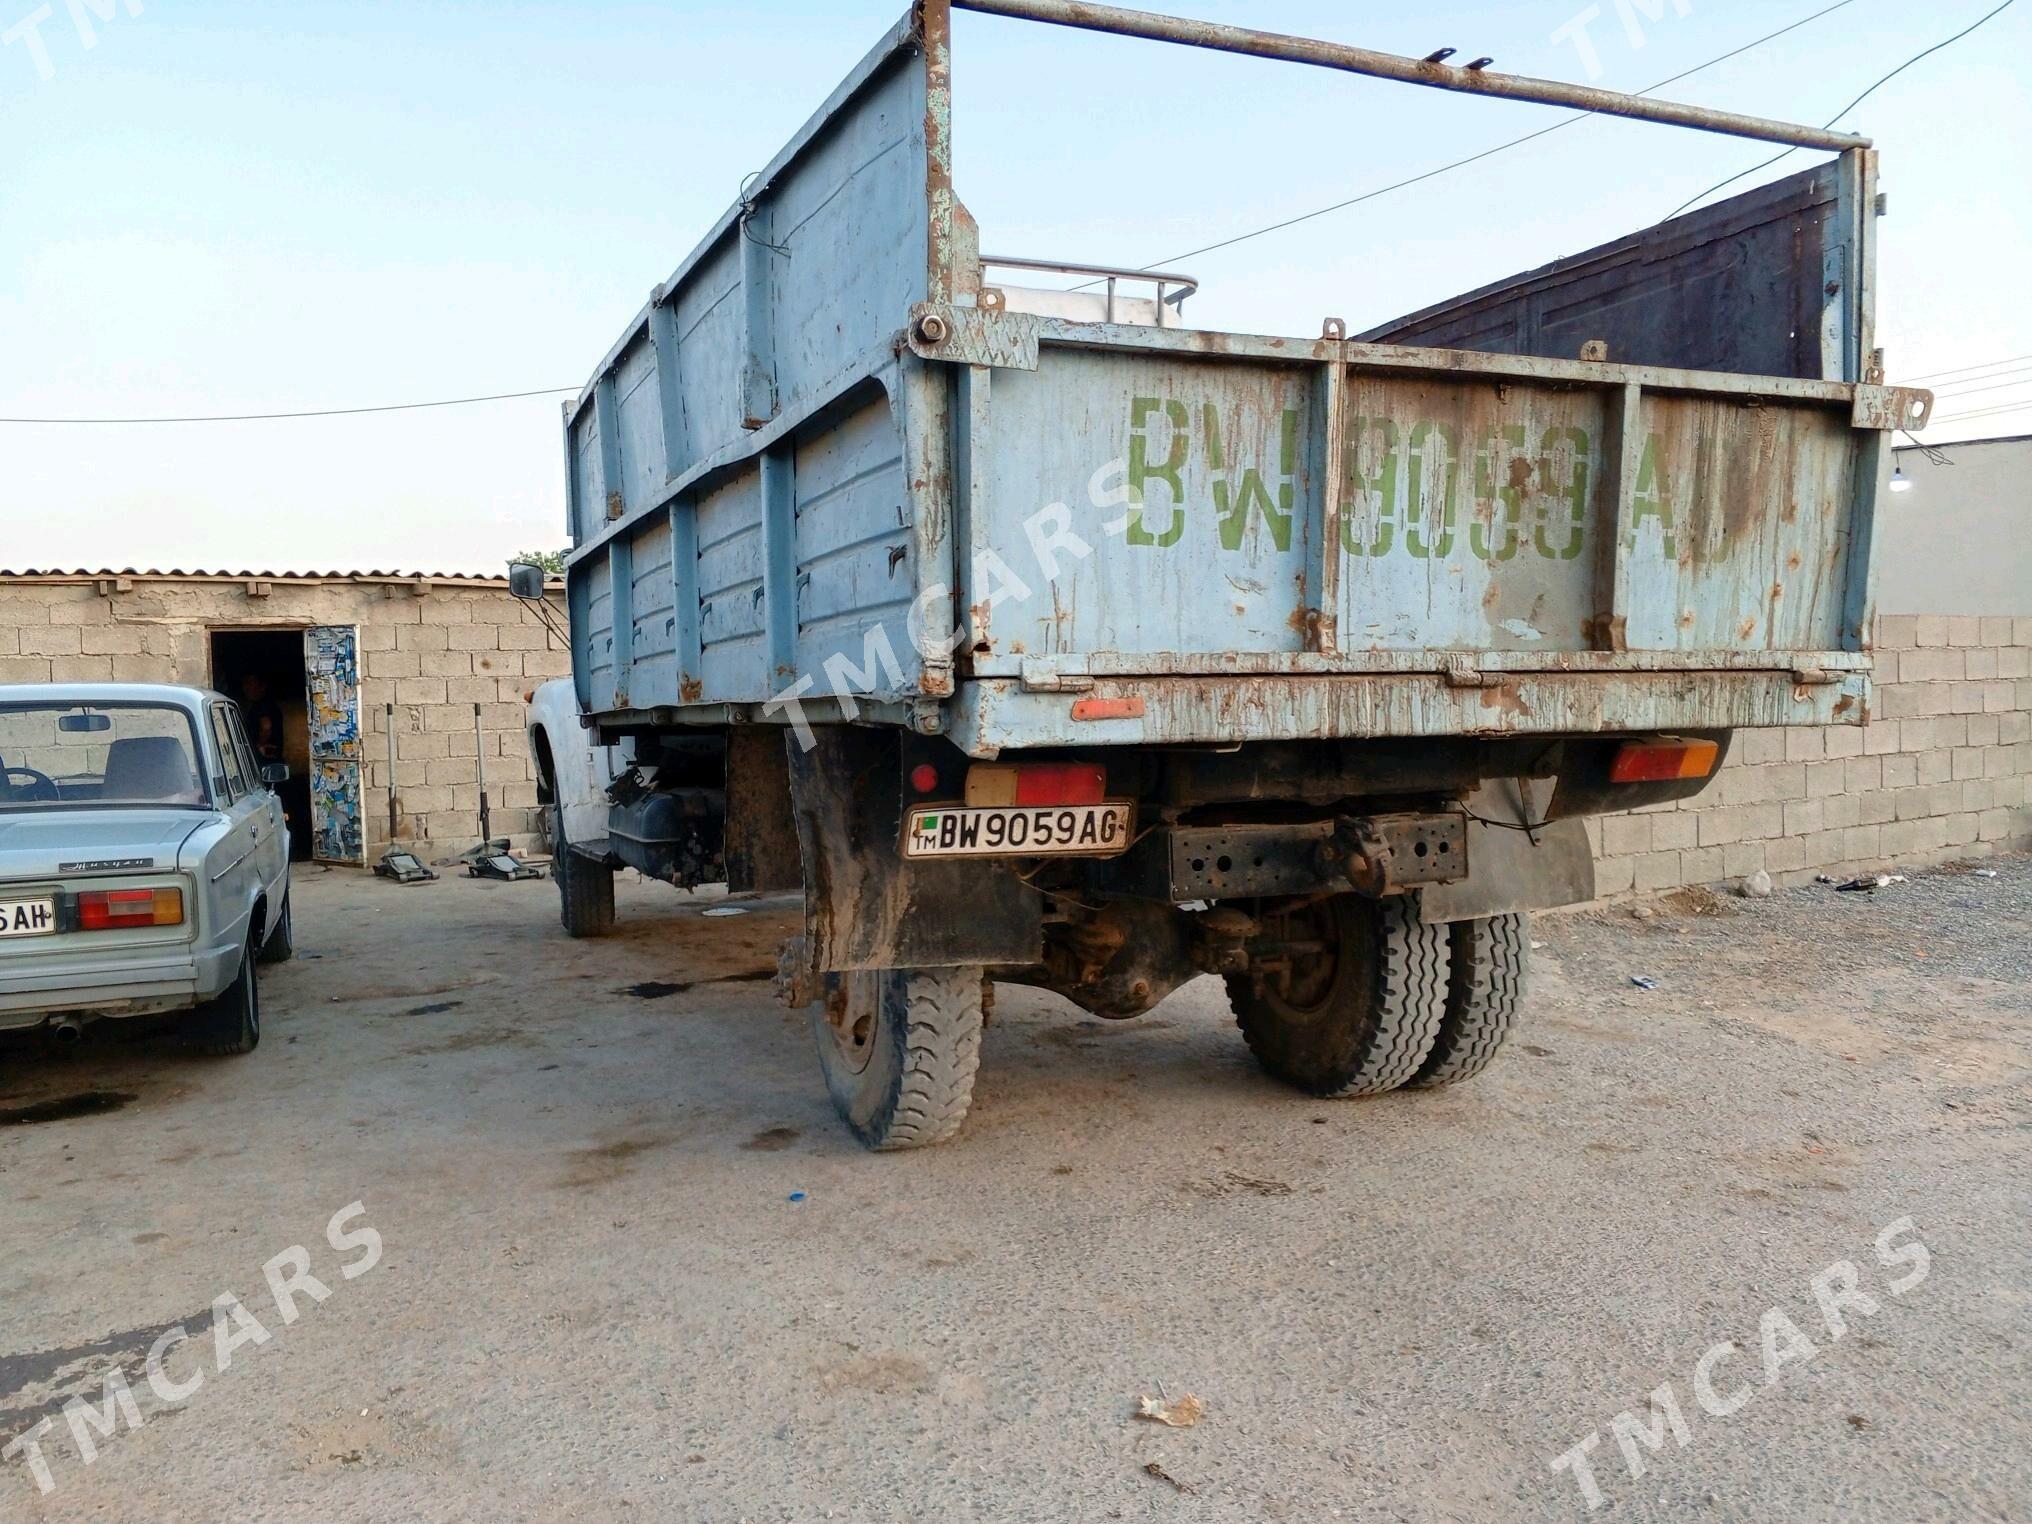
(1550, 542)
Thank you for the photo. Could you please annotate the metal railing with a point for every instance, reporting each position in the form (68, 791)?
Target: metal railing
(1172, 287)
(1431, 72)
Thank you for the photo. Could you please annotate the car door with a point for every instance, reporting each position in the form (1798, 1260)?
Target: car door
(274, 826)
(234, 866)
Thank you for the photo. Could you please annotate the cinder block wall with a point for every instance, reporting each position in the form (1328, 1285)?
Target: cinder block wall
(1940, 772)
(432, 648)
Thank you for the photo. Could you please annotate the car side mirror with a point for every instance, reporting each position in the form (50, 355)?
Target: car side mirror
(273, 773)
(525, 581)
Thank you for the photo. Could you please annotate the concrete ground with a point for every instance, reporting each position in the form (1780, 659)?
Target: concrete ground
(631, 1268)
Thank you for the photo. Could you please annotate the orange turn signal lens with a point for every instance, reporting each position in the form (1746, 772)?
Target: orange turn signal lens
(113, 909)
(1663, 760)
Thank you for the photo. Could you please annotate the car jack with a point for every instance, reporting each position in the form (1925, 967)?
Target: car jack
(403, 867)
(492, 859)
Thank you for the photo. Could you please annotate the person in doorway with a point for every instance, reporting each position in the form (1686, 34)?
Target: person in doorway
(263, 716)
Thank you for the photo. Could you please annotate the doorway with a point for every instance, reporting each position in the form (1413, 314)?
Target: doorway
(263, 671)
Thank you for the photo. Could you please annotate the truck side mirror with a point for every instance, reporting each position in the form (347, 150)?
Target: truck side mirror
(525, 581)
(273, 773)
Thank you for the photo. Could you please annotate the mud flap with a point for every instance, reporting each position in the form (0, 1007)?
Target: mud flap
(761, 844)
(865, 905)
(1511, 867)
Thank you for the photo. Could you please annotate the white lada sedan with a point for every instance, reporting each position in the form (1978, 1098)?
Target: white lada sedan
(144, 862)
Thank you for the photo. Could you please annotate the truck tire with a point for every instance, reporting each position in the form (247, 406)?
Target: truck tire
(230, 1023)
(1485, 989)
(899, 1049)
(585, 889)
(1359, 1018)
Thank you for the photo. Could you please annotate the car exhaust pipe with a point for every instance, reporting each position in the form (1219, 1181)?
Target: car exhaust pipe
(68, 1031)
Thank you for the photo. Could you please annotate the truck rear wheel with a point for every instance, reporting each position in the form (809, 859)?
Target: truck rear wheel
(585, 889)
(899, 1049)
(1357, 1007)
(1485, 989)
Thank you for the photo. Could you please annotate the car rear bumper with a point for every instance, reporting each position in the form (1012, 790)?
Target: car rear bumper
(138, 981)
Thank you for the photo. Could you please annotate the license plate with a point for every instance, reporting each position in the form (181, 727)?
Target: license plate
(27, 918)
(955, 830)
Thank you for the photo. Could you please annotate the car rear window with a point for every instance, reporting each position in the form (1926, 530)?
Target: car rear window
(70, 756)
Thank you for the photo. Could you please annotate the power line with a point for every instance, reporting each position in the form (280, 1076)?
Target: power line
(1981, 412)
(2002, 381)
(400, 407)
(1985, 412)
(1475, 158)
(1942, 375)
(1915, 58)
(323, 412)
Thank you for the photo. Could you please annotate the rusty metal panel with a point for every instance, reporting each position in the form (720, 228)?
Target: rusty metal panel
(1749, 285)
(1475, 514)
(1220, 504)
(1739, 527)
(1470, 514)
(990, 716)
(974, 336)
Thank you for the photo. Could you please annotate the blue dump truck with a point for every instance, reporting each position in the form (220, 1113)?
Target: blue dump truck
(1035, 635)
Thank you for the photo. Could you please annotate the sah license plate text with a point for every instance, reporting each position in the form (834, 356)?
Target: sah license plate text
(27, 918)
(957, 830)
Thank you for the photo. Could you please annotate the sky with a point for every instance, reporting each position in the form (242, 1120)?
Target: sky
(219, 206)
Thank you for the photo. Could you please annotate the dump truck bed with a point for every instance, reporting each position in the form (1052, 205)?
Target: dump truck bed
(834, 470)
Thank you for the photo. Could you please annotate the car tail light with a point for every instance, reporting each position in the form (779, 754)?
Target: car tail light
(1037, 783)
(111, 909)
(1661, 760)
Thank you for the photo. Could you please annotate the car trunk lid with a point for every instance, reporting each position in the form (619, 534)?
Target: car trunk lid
(39, 845)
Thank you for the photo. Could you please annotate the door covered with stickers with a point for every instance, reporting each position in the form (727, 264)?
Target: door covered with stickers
(331, 661)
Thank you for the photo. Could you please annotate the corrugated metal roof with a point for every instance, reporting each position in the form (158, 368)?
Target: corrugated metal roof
(262, 574)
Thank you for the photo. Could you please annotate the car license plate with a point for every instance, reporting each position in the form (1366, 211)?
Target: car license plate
(27, 918)
(955, 830)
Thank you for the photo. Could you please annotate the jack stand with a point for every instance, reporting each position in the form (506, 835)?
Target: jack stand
(491, 858)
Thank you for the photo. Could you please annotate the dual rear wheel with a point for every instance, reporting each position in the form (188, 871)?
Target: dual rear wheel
(1360, 996)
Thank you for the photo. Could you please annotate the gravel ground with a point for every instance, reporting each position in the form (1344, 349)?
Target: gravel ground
(630, 1267)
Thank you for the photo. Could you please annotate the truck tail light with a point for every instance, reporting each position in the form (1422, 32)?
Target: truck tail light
(1662, 760)
(1037, 783)
(112, 909)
